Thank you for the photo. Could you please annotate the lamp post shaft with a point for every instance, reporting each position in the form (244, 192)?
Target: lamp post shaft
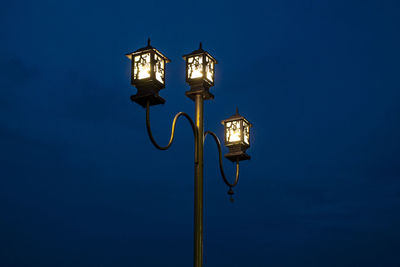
(148, 76)
(198, 182)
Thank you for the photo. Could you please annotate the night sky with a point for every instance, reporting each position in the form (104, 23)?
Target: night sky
(81, 184)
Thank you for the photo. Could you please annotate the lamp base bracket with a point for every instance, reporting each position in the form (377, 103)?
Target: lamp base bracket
(234, 156)
(203, 91)
(153, 98)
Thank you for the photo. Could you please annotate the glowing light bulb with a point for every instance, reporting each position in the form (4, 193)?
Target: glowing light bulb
(246, 134)
(159, 69)
(209, 69)
(195, 67)
(142, 66)
(233, 133)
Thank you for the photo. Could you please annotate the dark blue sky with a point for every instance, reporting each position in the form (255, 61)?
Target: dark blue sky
(81, 184)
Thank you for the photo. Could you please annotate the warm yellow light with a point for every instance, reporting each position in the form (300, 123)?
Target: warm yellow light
(233, 133)
(209, 69)
(246, 133)
(195, 67)
(159, 68)
(142, 66)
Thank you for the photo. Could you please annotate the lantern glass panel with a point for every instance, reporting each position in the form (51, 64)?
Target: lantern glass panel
(209, 69)
(233, 132)
(141, 67)
(246, 133)
(195, 67)
(159, 68)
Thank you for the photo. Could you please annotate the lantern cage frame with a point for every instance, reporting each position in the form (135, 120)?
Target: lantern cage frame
(237, 149)
(200, 84)
(147, 95)
(148, 88)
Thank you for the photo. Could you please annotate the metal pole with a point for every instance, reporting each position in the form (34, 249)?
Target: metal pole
(198, 183)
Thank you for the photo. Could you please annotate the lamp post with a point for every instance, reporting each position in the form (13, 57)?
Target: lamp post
(148, 76)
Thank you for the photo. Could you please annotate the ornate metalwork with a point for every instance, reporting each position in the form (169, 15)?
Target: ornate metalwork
(172, 136)
(210, 69)
(200, 73)
(141, 67)
(221, 167)
(246, 133)
(233, 132)
(237, 137)
(159, 68)
(200, 76)
(148, 75)
(171, 139)
(195, 67)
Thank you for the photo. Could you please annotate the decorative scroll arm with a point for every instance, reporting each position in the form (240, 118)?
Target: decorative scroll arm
(171, 139)
(221, 167)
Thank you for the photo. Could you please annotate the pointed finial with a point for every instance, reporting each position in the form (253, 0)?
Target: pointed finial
(230, 193)
(148, 42)
(237, 111)
(201, 46)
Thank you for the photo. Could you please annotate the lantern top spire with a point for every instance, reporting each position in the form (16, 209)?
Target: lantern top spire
(147, 48)
(235, 117)
(199, 52)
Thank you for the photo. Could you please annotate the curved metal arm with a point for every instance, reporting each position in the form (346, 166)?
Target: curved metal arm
(172, 129)
(221, 167)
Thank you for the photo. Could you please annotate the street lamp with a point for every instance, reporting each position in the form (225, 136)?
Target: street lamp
(148, 76)
(200, 73)
(237, 137)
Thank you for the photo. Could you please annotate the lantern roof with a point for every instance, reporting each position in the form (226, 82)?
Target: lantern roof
(236, 117)
(145, 49)
(200, 51)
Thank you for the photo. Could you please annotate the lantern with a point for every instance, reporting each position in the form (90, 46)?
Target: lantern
(237, 137)
(200, 72)
(148, 74)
